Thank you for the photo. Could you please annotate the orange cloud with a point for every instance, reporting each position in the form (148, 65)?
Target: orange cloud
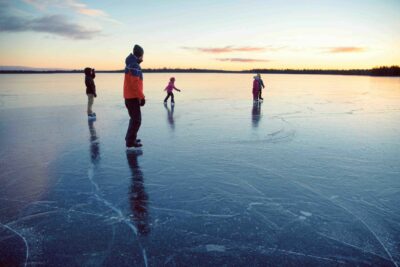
(241, 59)
(226, 49)
(346, 49)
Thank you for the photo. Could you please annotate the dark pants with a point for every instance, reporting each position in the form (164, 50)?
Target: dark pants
(259, 94)
(133, 106)
(170, 95)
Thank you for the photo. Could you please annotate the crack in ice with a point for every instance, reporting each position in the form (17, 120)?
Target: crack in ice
(23, 238)
(120, 217)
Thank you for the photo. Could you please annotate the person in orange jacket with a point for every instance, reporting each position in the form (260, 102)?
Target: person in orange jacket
(134, 97)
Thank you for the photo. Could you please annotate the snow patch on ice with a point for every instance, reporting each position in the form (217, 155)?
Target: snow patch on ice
(216, 248)
(305, 213)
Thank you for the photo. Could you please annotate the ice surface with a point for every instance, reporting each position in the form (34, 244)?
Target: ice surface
(309, 177)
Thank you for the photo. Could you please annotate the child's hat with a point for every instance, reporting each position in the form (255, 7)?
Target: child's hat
(138, 50)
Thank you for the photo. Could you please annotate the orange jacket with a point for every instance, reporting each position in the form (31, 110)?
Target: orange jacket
(133, 87)
(133, 81)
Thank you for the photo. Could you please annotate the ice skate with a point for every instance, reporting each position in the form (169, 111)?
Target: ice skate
(91, 116)
(135, 147)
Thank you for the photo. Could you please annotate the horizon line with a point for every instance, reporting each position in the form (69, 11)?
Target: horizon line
(392, 71)
(45, 69)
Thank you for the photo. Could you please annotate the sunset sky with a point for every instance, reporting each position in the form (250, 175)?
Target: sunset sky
(231, 35)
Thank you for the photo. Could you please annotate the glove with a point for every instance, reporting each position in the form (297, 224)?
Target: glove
(95, 95)
(142, 102)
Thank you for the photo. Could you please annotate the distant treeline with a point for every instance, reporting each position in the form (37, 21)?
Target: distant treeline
(386, 71)
(162, 70)
(380, 71)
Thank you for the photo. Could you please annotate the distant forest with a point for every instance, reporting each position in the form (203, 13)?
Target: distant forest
(379, 71)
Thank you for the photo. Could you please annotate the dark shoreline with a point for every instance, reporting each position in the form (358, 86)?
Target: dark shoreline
(393, 71)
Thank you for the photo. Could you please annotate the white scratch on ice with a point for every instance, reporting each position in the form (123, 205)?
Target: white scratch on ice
(25, 242)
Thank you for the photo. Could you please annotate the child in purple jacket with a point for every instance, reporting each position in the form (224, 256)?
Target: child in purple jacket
(256, 89)
(170, 88)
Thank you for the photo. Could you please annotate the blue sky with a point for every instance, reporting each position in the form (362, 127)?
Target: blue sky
(201, 34)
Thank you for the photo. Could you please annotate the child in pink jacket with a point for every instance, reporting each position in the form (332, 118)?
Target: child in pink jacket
(170, 88)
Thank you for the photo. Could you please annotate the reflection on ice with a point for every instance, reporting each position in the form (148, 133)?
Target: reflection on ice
(170, 115)
(94, 143)
(256, 114)
(137, 196)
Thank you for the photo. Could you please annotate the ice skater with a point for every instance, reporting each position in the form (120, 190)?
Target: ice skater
(261, 86)
(256, 89)
(170, 88)
(134, 97)
(90, 74)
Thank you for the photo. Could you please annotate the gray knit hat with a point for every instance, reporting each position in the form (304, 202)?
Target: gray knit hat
(138, 50)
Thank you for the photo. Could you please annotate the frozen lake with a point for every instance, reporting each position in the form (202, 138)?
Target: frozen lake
(311, 177)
